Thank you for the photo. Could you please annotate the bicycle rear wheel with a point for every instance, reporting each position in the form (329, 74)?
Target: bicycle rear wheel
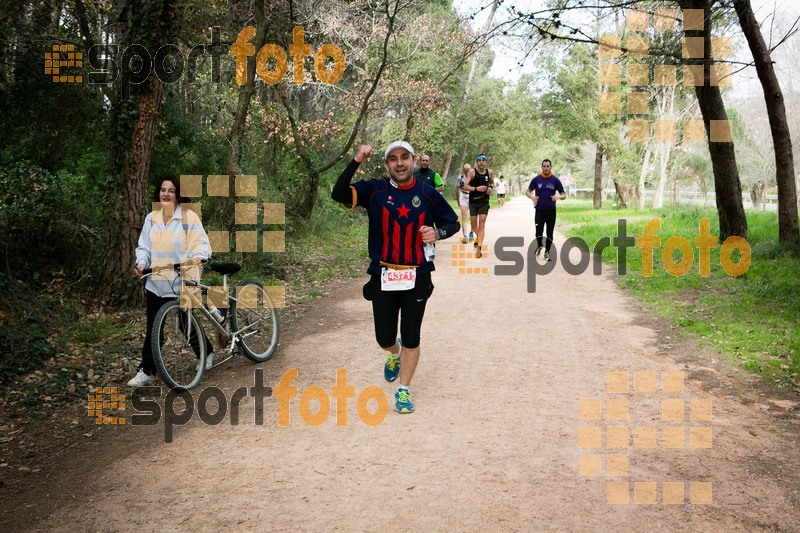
(255, 318)
(179, 348)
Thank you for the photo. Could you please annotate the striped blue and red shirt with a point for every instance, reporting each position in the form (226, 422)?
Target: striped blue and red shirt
(396, 214)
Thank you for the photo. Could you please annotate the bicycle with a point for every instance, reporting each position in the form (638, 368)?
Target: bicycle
(251, 325)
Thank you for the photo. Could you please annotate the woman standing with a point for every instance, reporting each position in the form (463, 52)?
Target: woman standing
(170, 235)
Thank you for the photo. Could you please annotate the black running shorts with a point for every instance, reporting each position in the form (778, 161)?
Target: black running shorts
(408, 306)
(478, 209)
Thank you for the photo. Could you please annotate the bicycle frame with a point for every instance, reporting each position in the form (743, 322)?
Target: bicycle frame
(189, 300)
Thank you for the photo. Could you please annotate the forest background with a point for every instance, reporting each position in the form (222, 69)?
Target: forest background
(638, 104)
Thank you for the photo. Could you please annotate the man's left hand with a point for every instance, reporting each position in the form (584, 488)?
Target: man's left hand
(428, 234)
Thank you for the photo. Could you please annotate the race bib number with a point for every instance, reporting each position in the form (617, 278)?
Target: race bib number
(398, 280)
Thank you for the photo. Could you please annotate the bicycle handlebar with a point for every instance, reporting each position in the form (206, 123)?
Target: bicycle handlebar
(175, 266)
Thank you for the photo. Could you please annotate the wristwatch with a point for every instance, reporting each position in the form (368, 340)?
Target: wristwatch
(442, 233)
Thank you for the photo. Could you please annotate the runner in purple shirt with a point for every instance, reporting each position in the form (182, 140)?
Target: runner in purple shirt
(545, 190)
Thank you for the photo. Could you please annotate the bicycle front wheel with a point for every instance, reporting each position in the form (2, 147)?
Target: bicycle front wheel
(179, 347)
(255, 319)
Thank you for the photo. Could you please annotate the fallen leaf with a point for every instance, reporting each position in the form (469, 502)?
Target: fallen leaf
(753, 433)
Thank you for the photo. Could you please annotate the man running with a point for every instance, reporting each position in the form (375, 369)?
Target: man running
(463, 202)
(479, 187)
(544, 190)
(501, 191)
(428, 175)
(405, 216)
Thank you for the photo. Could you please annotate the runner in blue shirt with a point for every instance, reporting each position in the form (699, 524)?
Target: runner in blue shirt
(405, 216)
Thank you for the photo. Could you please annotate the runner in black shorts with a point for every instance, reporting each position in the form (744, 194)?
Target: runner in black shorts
(479, 186)
(500, 187)
(544, 191)
(404, 214)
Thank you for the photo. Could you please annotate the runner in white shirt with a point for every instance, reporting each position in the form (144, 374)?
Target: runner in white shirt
(501, 191)
(463, 203)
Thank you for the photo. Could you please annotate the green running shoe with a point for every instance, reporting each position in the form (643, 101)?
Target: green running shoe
(403, 403)
(392, 367)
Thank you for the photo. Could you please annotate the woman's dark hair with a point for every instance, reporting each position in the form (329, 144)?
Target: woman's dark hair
(177, 182)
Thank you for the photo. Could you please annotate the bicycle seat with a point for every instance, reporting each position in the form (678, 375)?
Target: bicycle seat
(226, 268)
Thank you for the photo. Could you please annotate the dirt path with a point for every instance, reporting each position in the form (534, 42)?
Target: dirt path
(495, 441)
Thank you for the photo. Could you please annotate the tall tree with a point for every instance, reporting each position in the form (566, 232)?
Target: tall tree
(246, 92)
(727, 186)
(391, 9)
(571, 106)
(482, 41)
(148, 24)
(788, 231)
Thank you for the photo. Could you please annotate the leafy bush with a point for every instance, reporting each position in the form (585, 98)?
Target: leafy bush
(46, 219)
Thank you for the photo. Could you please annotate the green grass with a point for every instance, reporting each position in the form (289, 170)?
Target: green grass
(333, 245)
(752, 320)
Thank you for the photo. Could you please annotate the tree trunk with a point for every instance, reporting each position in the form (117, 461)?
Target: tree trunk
(757, 195)
(306, 206)
(658, 198)
(446, 169)
(788, 231)
(703, 189)
(598, 178)
(246, 93)
(468, 86)
(474, 68)
(623, 193)
(675, 191)
(727, 186)
(641, 192)
(147, 23)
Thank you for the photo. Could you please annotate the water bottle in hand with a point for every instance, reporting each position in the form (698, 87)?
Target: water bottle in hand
(430, 251)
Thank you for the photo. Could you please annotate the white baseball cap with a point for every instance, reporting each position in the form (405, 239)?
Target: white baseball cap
(398, 144)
